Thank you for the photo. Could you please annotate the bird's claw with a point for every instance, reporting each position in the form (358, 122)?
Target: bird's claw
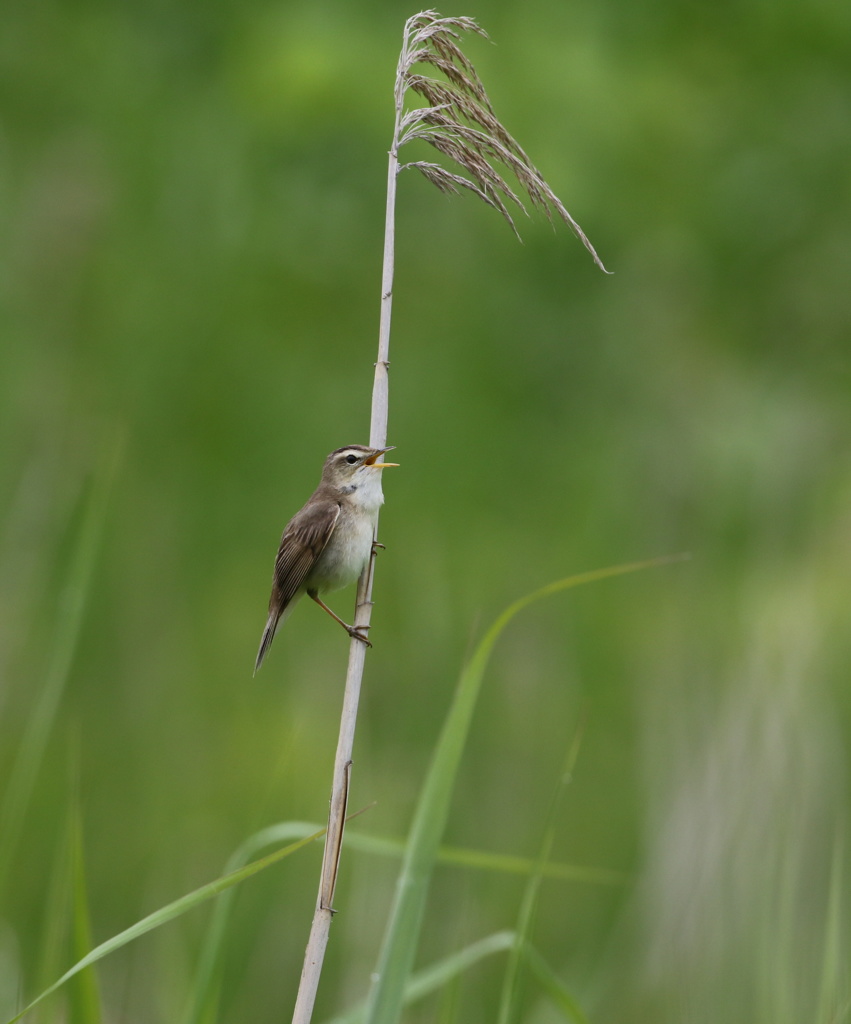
(376, 546)
(356, 634)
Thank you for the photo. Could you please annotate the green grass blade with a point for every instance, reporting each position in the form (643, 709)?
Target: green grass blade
(484, 860)
(553, 986)
(65, 635)
(832, 992)
(166, 914)
(84, 1004)
(382, 846)
(56, 923)
(400, 940)
(434, 977)
(437, 975)
(204, 990)
(203, 1000)
(511, 982)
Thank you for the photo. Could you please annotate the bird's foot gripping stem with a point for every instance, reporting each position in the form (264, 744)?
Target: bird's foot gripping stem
(356, 633)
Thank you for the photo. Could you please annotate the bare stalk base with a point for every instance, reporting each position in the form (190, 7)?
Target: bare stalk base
(323, 915)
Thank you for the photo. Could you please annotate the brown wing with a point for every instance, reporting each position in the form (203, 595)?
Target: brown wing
(303, 542)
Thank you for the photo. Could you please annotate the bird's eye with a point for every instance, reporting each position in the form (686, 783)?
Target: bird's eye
(351, 459)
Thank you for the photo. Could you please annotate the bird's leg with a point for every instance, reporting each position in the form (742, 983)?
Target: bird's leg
(376, 546)
(353, 631)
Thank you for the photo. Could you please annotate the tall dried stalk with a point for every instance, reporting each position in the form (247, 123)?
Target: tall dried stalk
(458, 120)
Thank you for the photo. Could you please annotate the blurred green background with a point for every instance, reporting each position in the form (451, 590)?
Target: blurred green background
(191, 212)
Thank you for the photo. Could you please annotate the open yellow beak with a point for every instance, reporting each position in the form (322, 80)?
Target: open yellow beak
(381, 465)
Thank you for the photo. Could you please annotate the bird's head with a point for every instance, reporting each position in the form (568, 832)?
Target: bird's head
(346, 468)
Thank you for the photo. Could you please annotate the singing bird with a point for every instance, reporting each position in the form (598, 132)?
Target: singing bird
(328, 543)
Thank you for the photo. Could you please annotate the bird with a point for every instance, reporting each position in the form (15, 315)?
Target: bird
(327, 544)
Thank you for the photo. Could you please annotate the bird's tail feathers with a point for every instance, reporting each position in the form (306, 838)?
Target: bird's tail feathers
(273, 624)
(266, 640)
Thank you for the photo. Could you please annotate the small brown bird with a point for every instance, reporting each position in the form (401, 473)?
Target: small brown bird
(326, 545)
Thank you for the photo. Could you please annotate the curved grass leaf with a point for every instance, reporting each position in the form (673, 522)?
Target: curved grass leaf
(203, 1003)
(484, 860)
(553, 986)
(166, 914)
(84, 997)
(396, 958)
(434, 977)
(511, 983)
(204, 991)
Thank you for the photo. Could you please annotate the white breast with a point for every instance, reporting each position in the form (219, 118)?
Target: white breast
(350, 545)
